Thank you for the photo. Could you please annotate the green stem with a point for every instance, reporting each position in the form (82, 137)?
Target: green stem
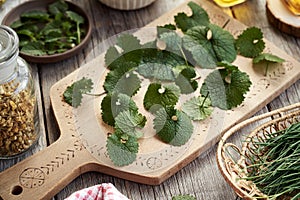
(78, 33)
(95, 95)
(182, 53)
(206, 96)
(266, 72)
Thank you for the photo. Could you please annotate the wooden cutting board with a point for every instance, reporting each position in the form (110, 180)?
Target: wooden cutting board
(81, 146)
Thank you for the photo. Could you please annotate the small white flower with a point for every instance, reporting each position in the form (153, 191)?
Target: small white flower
(161, 90)
(118, 103)
(209, 34)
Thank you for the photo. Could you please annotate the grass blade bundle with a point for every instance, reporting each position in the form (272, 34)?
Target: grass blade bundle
(276, 172)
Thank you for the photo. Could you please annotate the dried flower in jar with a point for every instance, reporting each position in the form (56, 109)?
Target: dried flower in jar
(16, 120)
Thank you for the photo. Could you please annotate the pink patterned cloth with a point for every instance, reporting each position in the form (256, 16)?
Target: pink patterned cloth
(104, 191)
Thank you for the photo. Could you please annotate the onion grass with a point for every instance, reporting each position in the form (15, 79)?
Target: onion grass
(274, 166)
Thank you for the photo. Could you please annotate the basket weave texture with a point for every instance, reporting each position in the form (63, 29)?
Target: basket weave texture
(234, 167)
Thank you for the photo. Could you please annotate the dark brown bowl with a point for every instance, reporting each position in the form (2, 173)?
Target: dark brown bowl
(15, 13)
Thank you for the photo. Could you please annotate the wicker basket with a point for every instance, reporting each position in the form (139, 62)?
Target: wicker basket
(233, 166)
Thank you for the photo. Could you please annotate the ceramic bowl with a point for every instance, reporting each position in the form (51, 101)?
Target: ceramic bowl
(15, 13)
(127, 4)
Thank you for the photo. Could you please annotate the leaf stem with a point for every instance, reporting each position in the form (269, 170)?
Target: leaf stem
(181, 50)
(266, 72)
(206, 96)
(95, 95)
(196, 78)
(78, 33)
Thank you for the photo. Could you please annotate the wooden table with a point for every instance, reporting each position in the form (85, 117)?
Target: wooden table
(201, 178)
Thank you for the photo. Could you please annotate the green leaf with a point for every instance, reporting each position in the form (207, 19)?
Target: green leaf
(122, 149)
(198, 108)
(173, 42)
(53, 35)
(113, 77)
(201, 55)
(131, 51)
(267, 57)
(16, 24)
(53, 31)
(198, 18)
(75, 17)
(127, 83)
(128, 121)
(227, 65)
(165, 29)
(185, 81)
(78, 20)
(218, 43)
(173, 126)
(37, 15)
(113, 104)
(58, 7)
(128, 42)
(52, 25)
(250, 43)
(34, 48)
(73, 93)
(226, 88)
(158, 65)
(28, 33)
(159, 95)
(111, 56)
(183, 197)
(156, 71)
(66, 27)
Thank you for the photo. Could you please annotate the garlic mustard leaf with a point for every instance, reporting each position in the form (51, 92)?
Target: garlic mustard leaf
(161, 95)
(198, 108)
(128, 83)
(218, 43)
(127, 49)
(268, 58)
(173, 42)
(122, 149)
(165, 29)
(158, 65)
(115, 78)
(173, 126)
(73, 93)
(183, 197)
(113, 104)
(185, 80)
(250, 42)
(128, 121)
(226, 88)
(198, 18)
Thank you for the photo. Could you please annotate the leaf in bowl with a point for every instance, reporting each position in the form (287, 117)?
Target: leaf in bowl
(49, 30)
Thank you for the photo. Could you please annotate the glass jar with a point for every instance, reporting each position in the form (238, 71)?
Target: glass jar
(293, 6)
(228, 3)
(19, 121)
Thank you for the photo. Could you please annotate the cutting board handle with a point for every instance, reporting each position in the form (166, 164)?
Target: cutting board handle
(45, 173)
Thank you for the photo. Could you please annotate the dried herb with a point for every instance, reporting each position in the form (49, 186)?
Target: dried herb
(16, 120)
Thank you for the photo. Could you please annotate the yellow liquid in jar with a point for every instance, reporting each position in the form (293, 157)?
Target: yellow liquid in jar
(293, 5)
(228, 3)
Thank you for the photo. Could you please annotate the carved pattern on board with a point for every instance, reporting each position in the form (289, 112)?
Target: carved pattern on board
(35, 177)
(32, 178)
